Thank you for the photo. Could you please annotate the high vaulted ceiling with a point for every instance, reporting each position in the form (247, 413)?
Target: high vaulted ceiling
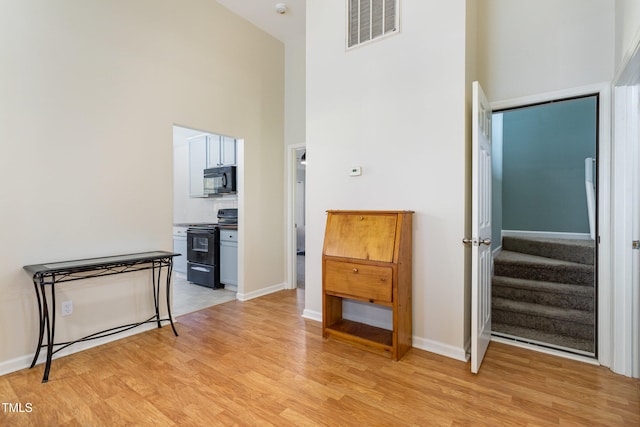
(262, 13)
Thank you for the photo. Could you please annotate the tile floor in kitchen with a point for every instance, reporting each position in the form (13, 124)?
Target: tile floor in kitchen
(188, 297)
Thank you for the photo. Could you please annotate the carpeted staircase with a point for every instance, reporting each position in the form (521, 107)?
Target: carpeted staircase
(543, 291)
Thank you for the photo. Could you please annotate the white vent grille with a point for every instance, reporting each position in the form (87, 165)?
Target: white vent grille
(370, 19)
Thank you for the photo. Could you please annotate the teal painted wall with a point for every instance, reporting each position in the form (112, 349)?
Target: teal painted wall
(544, 148)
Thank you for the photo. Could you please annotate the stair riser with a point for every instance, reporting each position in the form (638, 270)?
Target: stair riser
(565, 252)
(545, 298)
(557, 326)
(576, 276)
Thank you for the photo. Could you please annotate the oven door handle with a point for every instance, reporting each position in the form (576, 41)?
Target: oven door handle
(204, 270)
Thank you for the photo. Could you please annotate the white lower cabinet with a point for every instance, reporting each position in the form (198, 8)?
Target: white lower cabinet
(180, 247)
(229, 258)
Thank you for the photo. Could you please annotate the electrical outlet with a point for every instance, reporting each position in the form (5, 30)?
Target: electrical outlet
(67, 308)
(355, 171)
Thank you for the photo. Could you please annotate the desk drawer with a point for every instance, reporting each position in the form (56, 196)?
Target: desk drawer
(360, 280)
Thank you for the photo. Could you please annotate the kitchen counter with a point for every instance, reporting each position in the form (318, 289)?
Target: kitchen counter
(228, 227)
(193, 224)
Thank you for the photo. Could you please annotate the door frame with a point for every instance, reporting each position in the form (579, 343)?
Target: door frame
(291, 242)
(604, 270)
(625, 357)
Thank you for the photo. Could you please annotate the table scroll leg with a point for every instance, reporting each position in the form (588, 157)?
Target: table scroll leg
(51, 326)
(169, 272)
(156, 267)
(38, 281)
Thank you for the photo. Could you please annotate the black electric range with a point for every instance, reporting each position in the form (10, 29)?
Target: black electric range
(203, 249)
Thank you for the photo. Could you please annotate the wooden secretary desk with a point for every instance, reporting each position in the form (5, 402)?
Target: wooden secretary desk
(367, 257)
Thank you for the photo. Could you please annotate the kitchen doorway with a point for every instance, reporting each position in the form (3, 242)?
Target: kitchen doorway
(193, 150)
(545, 224)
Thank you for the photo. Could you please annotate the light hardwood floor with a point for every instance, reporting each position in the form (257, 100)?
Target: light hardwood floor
(260, 363)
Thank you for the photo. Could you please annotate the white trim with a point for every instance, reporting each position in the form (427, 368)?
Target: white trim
(442, 349)
(545, 234)
(240, 172)
(545, 350)
(541, 98)
(624, 294)
(496, 251)
(312, 315)
(261, 292)
(625, 355)
(23, 362)
(603, 90)
(290, 226)
(453, 352)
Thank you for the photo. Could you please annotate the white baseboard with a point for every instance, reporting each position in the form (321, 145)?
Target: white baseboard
(312, 315)
(23, 362)
(442, 349)
(446, 350)
(545, 234)
(496, 251)
(260, 292)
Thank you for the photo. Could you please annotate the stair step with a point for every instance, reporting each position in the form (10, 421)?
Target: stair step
(533, 267)
(572, 250)
(538, 337)
(556, 320)
(563, 295)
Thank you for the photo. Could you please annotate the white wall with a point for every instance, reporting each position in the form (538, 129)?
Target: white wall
(90, 92)
(400, 109)
(295, 99)
(533, 47)
(627, 28)
(396, 107)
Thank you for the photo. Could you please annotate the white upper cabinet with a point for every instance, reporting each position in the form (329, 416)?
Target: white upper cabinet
(213, 154)
(228, 150)
(222, 151)
(197, 165)
(208, 151)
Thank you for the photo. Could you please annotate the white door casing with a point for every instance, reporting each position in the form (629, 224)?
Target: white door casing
(481, 265)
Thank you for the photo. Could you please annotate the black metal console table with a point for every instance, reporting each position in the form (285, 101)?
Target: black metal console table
(50, 274)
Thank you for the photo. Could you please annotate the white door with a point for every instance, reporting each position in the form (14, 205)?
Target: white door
(481, 228)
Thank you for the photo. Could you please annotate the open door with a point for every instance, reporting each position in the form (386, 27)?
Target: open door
(481, 228)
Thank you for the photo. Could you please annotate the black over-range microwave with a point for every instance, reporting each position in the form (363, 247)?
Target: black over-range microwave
(220, 180)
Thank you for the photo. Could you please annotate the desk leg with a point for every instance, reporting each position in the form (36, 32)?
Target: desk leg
(38, 282)
(169, 272)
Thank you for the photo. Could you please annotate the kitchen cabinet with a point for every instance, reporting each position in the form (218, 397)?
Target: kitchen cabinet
(197, 165)
(229, 258)
(221, 151)
(180, 247)
(208, 151)
(367, 257)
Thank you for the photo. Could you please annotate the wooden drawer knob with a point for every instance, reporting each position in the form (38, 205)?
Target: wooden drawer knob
(355, 270)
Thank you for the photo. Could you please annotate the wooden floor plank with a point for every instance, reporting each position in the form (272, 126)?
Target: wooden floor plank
(260, 363)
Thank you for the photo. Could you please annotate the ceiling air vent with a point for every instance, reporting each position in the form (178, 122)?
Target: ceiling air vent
(371, 19)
